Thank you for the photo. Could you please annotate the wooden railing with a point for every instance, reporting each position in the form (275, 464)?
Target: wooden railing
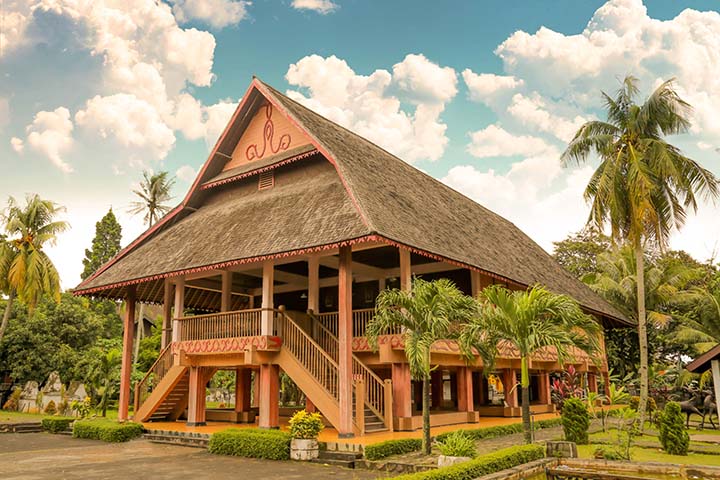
(144, 387)
(360, 319)
(241, 323)
(374, 387)
(315, 360)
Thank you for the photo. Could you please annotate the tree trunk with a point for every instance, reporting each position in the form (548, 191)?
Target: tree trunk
(642, 332)
(426, 414)
(525, 388)
(6, 315)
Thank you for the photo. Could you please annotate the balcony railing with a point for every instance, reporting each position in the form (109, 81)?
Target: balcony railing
(241, 323)
(360, 319)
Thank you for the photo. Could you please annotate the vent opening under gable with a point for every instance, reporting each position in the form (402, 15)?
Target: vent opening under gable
(266, 180)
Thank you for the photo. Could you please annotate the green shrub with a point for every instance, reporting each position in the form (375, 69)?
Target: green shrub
(13, 401)
(378, 451)
(56, 424)
(252, 443)
(50, 408)
(483, 465)
(575, 421)
(608, 453)
(107, 430)
(306, 425)
(501, 430)
(673, 436)
(457, 444)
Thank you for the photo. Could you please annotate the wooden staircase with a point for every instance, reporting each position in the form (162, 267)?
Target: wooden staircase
(174, 404)
(162, 394)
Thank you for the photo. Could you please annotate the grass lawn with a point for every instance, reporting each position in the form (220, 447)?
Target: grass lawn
(657, 455)
(19, 417)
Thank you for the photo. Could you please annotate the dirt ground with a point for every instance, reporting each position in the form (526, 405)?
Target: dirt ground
(33, 456)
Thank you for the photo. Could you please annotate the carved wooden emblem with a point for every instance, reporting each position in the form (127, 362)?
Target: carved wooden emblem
(253, 152)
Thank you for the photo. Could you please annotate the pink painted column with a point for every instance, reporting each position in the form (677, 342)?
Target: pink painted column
(544, 388)
(269, 388)
(511, 392)
(126, 365)
(402, 406)
(196, 397)
(166, 336)
(592, 382)
(345, 386)
(465, 389)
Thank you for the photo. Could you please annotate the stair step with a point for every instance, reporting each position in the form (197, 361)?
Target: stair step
(335, 455)
(336, 463)
(183, 440)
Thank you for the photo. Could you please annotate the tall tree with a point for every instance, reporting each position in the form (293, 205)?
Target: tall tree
(643, 186)
(578, 253)
(105, 244)
(26, 272)
(530, 321)
(430, 311)
(154, 194)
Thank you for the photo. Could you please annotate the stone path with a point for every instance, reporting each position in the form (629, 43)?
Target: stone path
(42, 456)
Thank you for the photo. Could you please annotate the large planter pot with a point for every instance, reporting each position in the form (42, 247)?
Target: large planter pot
(304, 449)
(561, 449)
(447, 460)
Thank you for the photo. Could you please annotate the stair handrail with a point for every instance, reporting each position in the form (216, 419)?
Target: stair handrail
(374, 385)
(316, 360)
(157, 371)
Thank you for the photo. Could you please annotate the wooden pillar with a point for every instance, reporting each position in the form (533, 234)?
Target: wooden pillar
(509, 388)
(269, 388)
(179, 307)
(715, 367)
(309, 405)
(405, 270)
(266, 325)
(196, 397)
(314, 284)
(126, 365)
(254, 403)
(592, 382)
(345, 386)
(482, 389)
(243, 386)
(436, 388)
(402, 395)
(544, 388)
(167, 322)
(226, 292)
(465, 390)
(474, 283)
(381, 284)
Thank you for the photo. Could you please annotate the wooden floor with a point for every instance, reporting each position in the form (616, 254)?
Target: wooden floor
(330, 434)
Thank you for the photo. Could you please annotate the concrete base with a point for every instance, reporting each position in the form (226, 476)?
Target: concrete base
(304, 449)
(447, 460)
(558, 449)
(437, 419)
(229, 415)
(195, 424)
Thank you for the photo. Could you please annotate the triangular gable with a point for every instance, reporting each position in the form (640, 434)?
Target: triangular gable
(267, 134)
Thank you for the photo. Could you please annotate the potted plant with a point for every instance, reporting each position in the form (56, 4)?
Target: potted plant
(456, 448)
(304, 428)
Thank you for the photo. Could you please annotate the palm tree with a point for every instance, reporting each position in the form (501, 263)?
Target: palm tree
(430, 311)
(104, 373)
(530, 321)
(26, 272)
(643, 186)
(154, 194)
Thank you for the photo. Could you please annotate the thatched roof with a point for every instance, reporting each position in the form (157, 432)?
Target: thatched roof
(371, 193)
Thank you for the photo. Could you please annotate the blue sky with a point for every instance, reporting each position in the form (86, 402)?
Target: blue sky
(482, 95)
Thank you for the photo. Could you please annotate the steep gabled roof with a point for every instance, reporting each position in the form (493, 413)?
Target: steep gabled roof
(391, 200)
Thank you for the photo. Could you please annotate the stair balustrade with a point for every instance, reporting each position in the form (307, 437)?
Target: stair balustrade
(157, 372)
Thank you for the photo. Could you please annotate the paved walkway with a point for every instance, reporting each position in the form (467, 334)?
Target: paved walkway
(42, 456)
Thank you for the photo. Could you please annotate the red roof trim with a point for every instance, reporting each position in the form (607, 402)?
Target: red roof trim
(256, 171)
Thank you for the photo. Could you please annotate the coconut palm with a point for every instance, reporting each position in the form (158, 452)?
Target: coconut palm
(154, 194)
(26, 272)
(644, 186)
(430, 311)
(530, 321)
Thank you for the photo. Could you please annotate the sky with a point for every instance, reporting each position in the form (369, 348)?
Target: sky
(483, 95)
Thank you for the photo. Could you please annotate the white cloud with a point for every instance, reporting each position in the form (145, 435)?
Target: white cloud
(132, 122)
(526, 194)
(216, 13)
(494, 141)
(51, 135)
(16, 18)
(17, 144)
(533, 112)
(186, 173)
(366, 105)
(487, 87)
(322, 7)
(196, 121)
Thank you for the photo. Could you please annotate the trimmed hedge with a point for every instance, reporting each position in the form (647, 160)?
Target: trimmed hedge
(56, 424)
(378, 451)
(484, 465)
(674, 437)
(106, 430)
(575, 421)
(252, 443)
(502, 430)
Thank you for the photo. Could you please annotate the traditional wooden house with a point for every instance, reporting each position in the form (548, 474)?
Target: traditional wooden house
(292, 227)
